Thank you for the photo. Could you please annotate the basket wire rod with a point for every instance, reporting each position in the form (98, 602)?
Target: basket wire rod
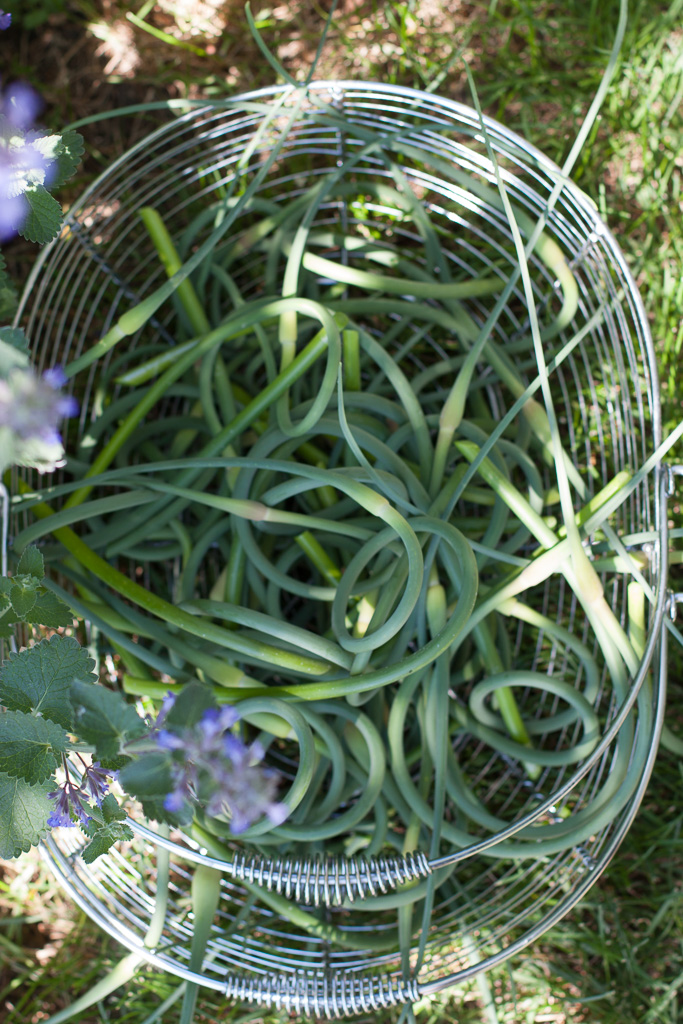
(63, 869)
(126, 288)
(587, 859)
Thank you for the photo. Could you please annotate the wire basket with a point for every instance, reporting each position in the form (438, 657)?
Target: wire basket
(500, 893)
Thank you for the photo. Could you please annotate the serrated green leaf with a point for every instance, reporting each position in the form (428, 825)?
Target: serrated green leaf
(6, 631)
(45, 143)
(112, 810)
(104, 718)
(109, 811)
(6, 584)
(114, 764)
(23, 599)
(104, 838)
(44, 220)
(68, 156)
(14, 337)
(24, 810)
(40, 677)
(31, 562)
(29, 746)
(50, 611)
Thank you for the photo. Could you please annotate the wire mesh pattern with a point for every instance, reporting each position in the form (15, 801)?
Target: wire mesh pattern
(497, 891)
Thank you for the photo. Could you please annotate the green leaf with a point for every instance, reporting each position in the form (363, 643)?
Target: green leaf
(148, 775)
(103, 838)
(8, 295)
(104, 718)
(44, 219)
(23, 599)
(47, 144)
(112, 810)
(105, 828)
(154, 810)
(190, 704)
(29, 746)
(11, 357)
(40, 677)
(24, 810)
(114, 764)
(50, 611)
(14, 337)
(148, 778)
(31, 562)
(69, 154)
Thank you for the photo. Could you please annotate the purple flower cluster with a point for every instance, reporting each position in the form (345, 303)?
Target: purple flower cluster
(211, 756)
(5, 20)
(21, 161)
(69, 798)
(32, 406)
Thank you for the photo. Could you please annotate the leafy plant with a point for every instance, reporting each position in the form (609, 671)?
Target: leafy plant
(55, 712)
(33, 163)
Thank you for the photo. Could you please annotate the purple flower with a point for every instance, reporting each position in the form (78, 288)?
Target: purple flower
(55, 377)
(67, 804)
(216, 761)
(32, 407)
(168, 740)
(21, 105)
(59, 819)
(214, 722)
(5, 20)
(13, 212)
(245, 790)
(175, 801)
(95, 779)
(26, 160)
(166, 705)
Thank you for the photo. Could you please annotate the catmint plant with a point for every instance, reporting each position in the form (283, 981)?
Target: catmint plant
(33, 162)
(212, 765)
(37, 712)
(5, 20)
(65, 741)
(32, 408)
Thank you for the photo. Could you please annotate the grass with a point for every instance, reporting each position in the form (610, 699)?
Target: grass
(618, 958)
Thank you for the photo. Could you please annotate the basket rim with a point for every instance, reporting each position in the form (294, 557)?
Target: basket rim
(455, 108)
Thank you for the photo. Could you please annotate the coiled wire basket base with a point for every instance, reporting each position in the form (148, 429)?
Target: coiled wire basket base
(270, 945)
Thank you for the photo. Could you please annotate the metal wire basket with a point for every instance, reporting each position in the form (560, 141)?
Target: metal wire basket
(493, 905)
